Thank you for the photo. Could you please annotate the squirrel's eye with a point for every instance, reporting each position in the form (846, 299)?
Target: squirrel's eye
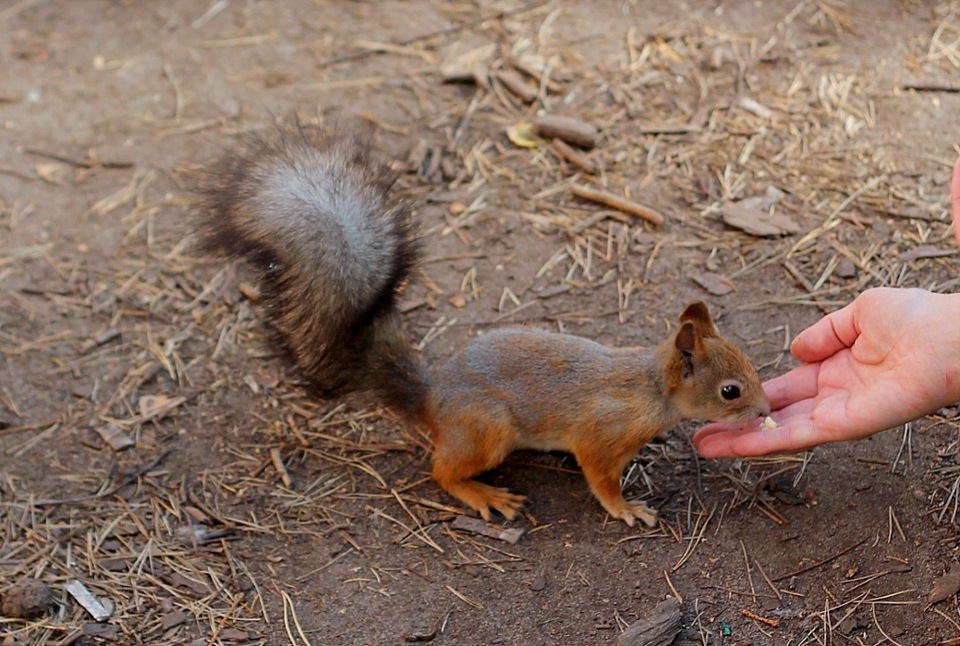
(730, 392)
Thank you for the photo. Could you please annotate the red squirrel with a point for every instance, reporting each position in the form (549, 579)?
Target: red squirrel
(311, 212)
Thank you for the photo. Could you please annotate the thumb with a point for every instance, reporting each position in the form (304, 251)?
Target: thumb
(827, 336)
(955, 201)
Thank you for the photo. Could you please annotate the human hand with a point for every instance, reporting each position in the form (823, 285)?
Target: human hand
(955, 200)
(891, 356)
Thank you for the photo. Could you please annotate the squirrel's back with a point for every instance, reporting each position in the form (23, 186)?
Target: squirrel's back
(311, 212)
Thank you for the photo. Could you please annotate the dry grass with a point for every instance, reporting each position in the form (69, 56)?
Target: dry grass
(690, 122)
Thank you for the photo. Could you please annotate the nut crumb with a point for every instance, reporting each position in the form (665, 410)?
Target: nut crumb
(769, 423)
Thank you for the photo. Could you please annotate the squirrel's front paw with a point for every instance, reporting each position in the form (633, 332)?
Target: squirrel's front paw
(634, 510)
(508, 504)
(483, 497)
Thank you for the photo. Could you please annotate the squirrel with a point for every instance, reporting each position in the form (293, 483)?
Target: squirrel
(310, 210)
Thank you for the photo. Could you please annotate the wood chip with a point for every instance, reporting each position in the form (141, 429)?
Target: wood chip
(99, 630)
(569, 129)
(478, 526)
(234, 635)
(87, 600)
(172, 619)
(714, 283)
(115, 437)
(756, 222)
(659, 628)
(946, 586)
(926, 251)
(196, 587)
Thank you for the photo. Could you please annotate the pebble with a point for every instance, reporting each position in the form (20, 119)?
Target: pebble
(27, 599)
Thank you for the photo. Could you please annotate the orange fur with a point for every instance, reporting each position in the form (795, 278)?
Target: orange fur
(311, 213)
(528, 388)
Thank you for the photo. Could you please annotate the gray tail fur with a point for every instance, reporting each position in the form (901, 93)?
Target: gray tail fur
(311, 213)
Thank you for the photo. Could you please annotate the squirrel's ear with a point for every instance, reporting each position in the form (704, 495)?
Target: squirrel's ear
(697, 314)
(688, 345)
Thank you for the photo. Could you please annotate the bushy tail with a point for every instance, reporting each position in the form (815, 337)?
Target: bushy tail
(311, 212)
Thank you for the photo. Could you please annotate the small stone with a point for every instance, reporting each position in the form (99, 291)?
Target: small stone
(845, 269)
(27, 599)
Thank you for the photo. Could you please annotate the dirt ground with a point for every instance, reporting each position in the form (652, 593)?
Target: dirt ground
(155, 450)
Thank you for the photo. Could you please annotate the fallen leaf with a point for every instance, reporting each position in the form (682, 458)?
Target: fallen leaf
(522, 135)
(946, 586)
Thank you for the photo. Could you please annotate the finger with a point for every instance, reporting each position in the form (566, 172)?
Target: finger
(827, 336)
(731, 440)
(789, 437)
(955, 200)
(716, 428)
(796, 385)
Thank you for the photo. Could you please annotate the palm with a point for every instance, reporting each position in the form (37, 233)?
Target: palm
(856, 398)
(872, 366)
(891, 356)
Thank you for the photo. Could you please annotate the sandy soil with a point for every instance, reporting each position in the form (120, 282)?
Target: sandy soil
(155, 450)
